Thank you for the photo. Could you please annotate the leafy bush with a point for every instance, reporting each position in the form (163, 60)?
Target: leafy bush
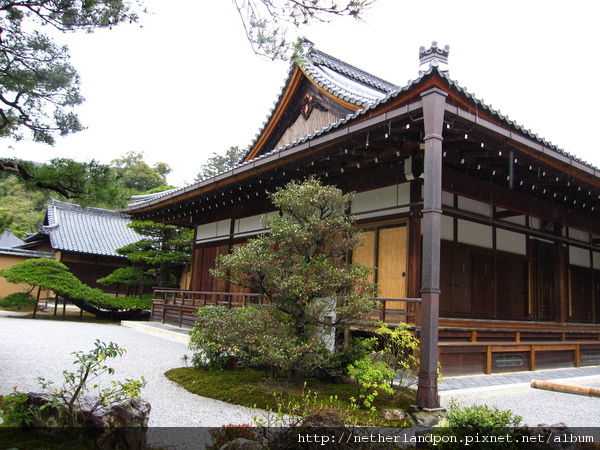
(333, 366)
(371, 377)
(17, 412)
(243, 337)
(399, 350)
(469, 423)
(17, 300)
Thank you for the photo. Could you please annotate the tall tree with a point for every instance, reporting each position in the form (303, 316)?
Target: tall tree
(218, 163)
(90, 183)
(267, 22)
(39, 88)
(138, 176)
(166, 248)
(25, 207)
(38, 85)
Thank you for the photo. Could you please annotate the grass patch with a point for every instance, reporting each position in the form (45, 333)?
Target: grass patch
(250, 388)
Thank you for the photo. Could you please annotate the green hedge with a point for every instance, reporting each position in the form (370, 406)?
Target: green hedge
(55, 276)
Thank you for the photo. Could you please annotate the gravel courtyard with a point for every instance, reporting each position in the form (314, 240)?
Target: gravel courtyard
(33, 348)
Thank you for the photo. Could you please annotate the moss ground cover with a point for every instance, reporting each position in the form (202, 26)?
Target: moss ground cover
(249, 387)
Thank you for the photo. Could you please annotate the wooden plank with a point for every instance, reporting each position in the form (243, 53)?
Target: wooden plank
(391, 264)
(365, 254)
(520, 346)
(522, 326)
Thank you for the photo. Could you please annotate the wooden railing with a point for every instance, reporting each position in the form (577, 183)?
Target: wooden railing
(178, 307)
(396, 310)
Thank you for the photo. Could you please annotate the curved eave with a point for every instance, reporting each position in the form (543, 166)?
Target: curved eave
(404, 101)
(298, 75)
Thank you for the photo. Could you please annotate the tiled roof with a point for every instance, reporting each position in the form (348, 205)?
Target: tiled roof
(25, 253)
(512, 124)
(316, 62)
(140, 199)
(9, 240)
(341, 79)
(87, 230)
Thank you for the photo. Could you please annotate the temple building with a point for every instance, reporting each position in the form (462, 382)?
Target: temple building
(485, 235)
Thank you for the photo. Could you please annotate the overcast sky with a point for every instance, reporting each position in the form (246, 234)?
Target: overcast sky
(187, 84)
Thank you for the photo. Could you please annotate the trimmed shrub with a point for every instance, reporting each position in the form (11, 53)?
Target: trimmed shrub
(17, 300)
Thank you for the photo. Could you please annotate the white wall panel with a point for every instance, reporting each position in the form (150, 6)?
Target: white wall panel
(475, 234)
(511, 242)
(474, 206)
(368, 204)
(447, 228)
(213, 230)
(579, 235)
(579, 256)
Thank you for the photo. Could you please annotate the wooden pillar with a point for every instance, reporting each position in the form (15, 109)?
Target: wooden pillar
(434, 101)
(414, 241)
(562, 274)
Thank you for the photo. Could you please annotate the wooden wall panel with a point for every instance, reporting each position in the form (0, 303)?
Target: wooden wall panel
(511, 288)
(365, 254)
(386, 248)
(391, 263)
(483, 286)
(480, 283)
(581, 301)
(545, 281)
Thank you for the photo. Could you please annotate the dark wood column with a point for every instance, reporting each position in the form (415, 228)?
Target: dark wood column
(414, 241)
(434, 101)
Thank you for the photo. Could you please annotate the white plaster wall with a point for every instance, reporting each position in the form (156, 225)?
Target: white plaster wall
(579, 256)
(213, 230)
(511, 242)
(475, 234)
(368, 203)
(474, 206)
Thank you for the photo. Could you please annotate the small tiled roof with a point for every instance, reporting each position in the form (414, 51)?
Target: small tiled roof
(86, 230)
(9, 240)
(25, 253)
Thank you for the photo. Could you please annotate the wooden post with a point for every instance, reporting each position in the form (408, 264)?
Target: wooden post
(434, 101)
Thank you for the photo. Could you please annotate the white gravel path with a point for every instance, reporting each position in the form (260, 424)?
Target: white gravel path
(536, 406)
(32, 348)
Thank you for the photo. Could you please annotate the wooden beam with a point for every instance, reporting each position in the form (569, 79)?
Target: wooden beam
(506, 214)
